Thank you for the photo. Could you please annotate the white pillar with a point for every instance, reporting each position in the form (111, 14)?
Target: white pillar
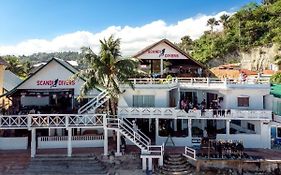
(160, 161)
(149, 163)
(149, 124)
(156, 127)
(33, 142)
(227, 127)
(118, 144)
(190, 128)
(50, 132)
(105, 146)
(161, 66)
(175, 125)
(144, 164)
(69, 146)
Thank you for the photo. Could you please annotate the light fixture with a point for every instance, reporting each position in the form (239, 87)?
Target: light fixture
(38, 95)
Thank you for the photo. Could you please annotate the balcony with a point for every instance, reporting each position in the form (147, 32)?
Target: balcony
(173, 113)
(201, 82)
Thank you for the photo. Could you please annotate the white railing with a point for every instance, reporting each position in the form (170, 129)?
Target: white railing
(64, 138)
(129, 132)
(134, 112)
(198, 80)
(13, 121)
(190, 153)
(94, 103)
(51, 121)
(156, 150)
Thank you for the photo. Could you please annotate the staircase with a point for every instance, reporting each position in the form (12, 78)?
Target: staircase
(94, 103)
(66, 165)
(175, 164)
(125, 127)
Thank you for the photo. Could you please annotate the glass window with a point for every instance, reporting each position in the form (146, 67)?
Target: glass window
(143, 100)
(278, 132)
(243, 101)
(251, 126)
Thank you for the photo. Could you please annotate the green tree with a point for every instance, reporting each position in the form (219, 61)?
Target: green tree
(108, 70)
(186, 44)
(276, 78)
(224, 21)
(212, 22)
(15, 65)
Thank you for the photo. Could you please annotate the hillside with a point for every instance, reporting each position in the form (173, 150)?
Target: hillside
(250, 36)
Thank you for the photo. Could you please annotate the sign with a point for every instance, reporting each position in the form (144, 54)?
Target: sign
(55, 83)
(163, 53)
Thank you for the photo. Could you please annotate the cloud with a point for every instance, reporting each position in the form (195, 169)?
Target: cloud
(133, 39)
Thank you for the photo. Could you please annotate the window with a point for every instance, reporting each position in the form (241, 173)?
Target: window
(278, 132)
(143, 100)
(251, 126)
(243, 101)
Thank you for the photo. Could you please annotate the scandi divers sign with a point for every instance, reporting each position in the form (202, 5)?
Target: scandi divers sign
(55, 83)
(163, 53)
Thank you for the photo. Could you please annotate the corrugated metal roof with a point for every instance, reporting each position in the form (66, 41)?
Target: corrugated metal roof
(10, 80)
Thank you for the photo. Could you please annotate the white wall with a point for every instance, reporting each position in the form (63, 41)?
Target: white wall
(255, 97)
(161, 96)
(53, 71)
(13, 143)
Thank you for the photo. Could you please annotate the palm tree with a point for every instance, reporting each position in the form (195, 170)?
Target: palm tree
(212, 22)
(107, 70)
(223, 20)
(15, 66)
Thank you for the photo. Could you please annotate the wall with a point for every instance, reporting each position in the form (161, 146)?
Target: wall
(53, 71)
(75, 143)
(34, 101)
(161, 96)
(255, 97)
(13, 143)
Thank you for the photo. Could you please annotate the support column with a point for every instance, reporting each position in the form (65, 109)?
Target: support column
(160, 161)
(105, 146)
(156, 127)
(69, 146)
(175, 125)
(144, 164)
(149, 124)
(118, 144)
(190, 128)
(149, 163)
(33, 142)
(227, 127)
(161, 67)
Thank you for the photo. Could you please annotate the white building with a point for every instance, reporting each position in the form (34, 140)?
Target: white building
(232, 109)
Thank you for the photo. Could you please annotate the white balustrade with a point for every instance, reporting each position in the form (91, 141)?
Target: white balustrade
(169, 113)
(190, 153)
(51, 121)
(198, 80)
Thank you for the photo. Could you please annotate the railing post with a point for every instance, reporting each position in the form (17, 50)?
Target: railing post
(135, 81)
(208, 81)
(225, 81)
(191, 80)
(33, 142)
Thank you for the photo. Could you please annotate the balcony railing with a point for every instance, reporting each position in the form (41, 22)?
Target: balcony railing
(172, 113)
(201, 80)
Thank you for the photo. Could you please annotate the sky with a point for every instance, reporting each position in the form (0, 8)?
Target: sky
(30, 26)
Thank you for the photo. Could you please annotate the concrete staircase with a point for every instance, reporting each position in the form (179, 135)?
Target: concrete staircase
(66, 165)
(175, 164)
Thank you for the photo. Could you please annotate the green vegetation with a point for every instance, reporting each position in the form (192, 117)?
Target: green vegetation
(107, 70)
(253, 25)
(276, 78)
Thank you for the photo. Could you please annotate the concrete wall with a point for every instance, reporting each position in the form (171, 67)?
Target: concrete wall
(161, 96)
(13, 143)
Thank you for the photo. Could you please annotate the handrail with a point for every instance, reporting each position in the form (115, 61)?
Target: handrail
(123, 125)
(139, 131)
(92, 102)
(190, 153)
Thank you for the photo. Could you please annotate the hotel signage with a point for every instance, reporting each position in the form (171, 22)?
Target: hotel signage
(55, 83)
(163, 53)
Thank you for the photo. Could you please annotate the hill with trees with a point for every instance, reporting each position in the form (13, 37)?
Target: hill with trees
(254, 26)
